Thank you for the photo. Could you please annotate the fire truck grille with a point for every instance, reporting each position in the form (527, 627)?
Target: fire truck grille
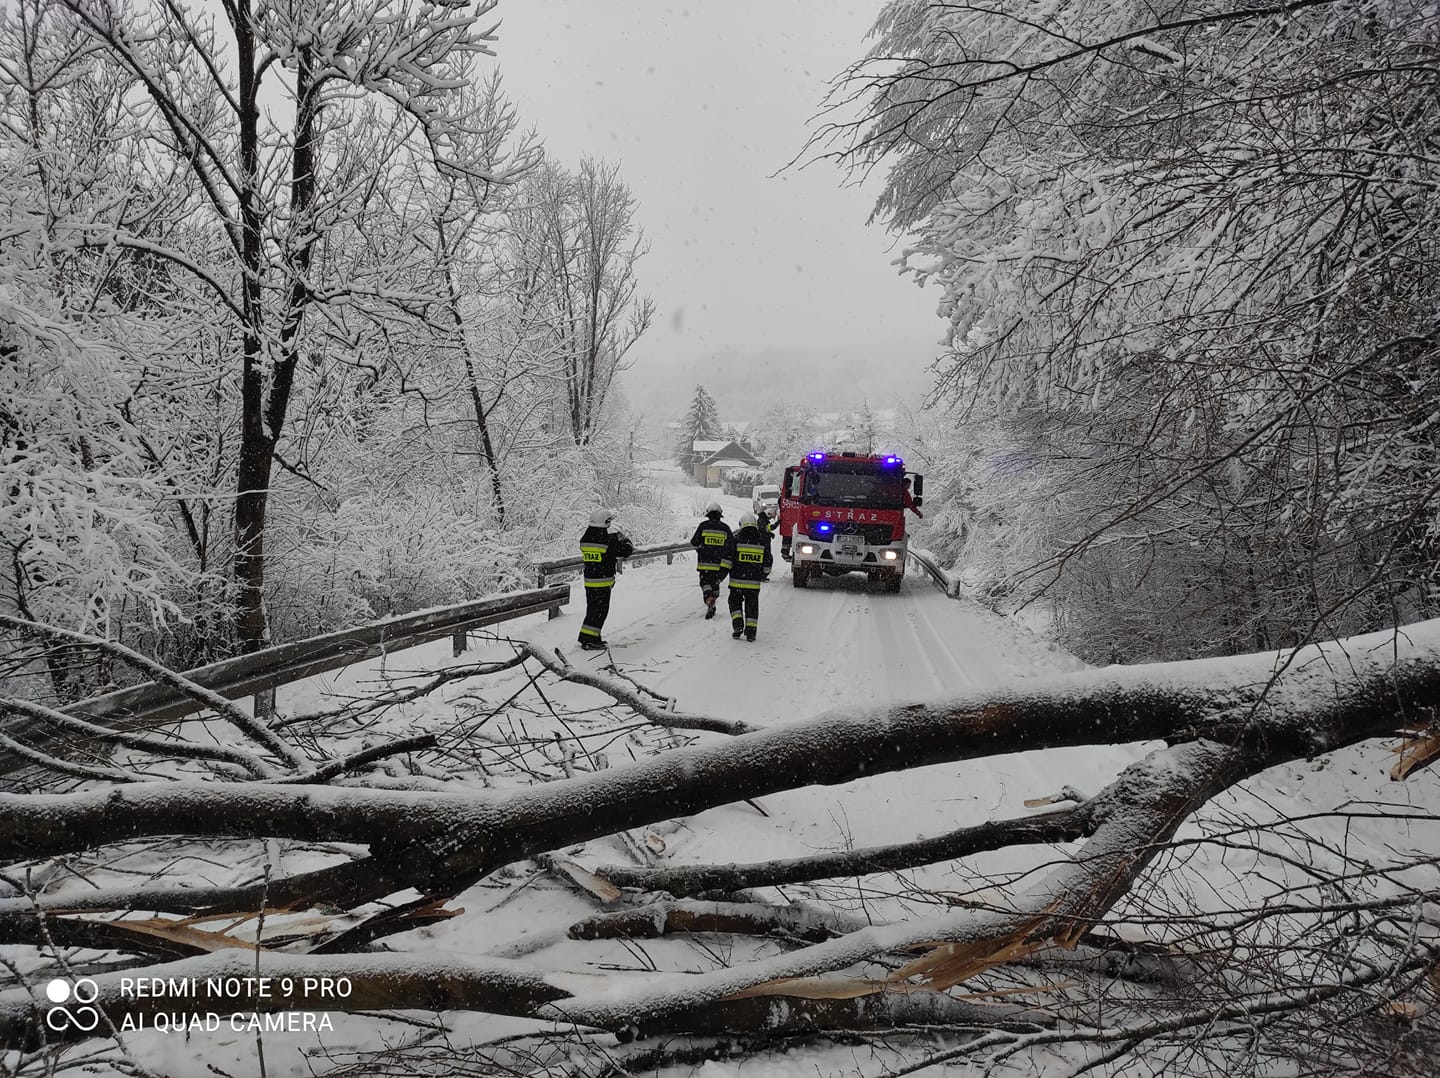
(875, 534)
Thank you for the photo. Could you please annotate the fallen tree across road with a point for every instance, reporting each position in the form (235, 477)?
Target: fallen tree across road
(1223, 721)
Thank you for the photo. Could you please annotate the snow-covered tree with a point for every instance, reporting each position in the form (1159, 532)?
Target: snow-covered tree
(783, 432)
(352, 93)
(862, 431)
(79, 533)
(700, 424)
(107, 522)
(1192, 251)
(465, 215)
(575, 262)
(292, 240)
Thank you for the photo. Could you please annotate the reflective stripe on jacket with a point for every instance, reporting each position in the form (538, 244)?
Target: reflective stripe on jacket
(709, 541)
(602, 549)
(747, 557)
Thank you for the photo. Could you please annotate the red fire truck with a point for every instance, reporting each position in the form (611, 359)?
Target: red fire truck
(845, 512)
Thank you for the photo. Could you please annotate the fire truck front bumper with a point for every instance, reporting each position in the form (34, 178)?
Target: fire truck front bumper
(847, 554)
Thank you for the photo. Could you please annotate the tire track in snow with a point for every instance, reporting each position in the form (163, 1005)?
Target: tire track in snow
(923, 612)
(837, 643)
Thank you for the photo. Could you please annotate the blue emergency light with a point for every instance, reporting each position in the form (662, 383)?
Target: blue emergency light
(892, 460)
(822, 527)
(817, 456)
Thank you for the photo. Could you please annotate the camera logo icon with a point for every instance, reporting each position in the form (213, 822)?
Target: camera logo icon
(72, 1005)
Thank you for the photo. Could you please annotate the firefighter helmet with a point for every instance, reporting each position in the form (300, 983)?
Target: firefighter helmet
(713, 507)
(747, 520)
(601, 518)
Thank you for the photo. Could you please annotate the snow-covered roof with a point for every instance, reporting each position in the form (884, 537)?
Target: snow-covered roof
(730, 451)
(703, 446)
(729, 463)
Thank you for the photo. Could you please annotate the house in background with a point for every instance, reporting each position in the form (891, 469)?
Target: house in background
(714, 458)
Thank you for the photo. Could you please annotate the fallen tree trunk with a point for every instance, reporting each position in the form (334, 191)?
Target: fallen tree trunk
(1135, 815)
(1234, 717)
(1319, 698)
(736, 918)
(1138, 813)
(687, 880)
(229, 988)
(232, 983)
(787, 1017)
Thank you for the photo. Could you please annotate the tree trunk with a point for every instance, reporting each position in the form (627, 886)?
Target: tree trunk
(265, 401)
(256, 446)
(1324, 697)
(482, 423)
(1227, 719)
(487, 447)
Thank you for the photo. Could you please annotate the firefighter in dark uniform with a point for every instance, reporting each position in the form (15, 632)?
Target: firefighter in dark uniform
(711, 537)
(908, 499)
(765, 524)
(602, 549)
(747, 559)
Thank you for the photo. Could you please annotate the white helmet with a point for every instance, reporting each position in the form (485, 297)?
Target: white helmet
(713, 507)
(601, 518)
(747, 520)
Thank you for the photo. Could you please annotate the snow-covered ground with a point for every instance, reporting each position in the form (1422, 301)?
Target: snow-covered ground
(837, 643)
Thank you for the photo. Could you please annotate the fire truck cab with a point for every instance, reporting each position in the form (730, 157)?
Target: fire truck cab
(845, 512)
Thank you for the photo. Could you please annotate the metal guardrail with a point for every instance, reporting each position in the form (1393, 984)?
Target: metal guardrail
(932, 569)
(245, 675)
(152, 704)
(545, 569)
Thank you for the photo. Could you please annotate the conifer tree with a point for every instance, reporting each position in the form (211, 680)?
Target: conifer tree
(701, 423)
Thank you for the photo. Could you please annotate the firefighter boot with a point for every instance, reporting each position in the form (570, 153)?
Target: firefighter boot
(709, 607)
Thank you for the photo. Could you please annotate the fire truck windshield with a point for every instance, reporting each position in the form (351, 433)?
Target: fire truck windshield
(869, 489)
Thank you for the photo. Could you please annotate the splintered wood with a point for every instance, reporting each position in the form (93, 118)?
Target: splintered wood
(1420, 748)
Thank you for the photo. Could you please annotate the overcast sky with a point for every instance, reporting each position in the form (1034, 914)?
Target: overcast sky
(701, 104)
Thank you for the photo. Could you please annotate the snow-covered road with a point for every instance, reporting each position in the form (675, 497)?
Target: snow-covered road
(833, 643)
(838, 644)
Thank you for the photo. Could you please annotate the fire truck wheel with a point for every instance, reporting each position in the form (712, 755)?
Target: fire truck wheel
(799, 577)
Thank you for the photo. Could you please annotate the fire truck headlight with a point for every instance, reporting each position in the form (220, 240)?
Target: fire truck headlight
(890, 555)
(806, 548)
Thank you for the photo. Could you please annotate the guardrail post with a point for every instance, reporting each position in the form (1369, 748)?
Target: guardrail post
(670, 558)
(458, 643)
(264, 704)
